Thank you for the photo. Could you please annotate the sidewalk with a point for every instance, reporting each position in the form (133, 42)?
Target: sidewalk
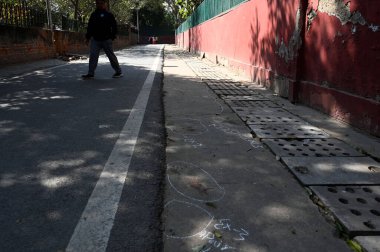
(244, 164)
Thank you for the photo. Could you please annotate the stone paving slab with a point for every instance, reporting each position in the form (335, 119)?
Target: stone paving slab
(287, 131)
(369, 243)
(327, 147)
(242, 92)
(273, 119)
(263, 208)
(356, 207)
(258, 225)
(229, 86)
(252, 104)
(221, 82)
(251, 97)
(245, 112)
(182, 91)
(334, 170)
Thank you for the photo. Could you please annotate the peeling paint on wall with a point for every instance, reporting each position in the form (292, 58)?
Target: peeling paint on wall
(374, 28)
(341, 10)
(290, 52)
(335, 8)
(310, 17)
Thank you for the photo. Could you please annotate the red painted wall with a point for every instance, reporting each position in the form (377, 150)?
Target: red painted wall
(322, 53)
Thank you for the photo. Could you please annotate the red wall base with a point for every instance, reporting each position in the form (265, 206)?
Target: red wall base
(361, 113)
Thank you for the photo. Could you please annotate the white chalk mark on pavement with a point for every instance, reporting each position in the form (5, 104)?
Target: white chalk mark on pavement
(94, 227)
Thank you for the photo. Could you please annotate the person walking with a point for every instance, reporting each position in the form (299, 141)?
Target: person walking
(101, 31)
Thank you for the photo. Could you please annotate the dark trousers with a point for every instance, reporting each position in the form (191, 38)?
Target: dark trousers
(95, 47)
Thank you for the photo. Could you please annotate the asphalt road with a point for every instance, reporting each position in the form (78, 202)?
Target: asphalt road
(83, 160)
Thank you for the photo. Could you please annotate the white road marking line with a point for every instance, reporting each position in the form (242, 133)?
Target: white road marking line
(93, 229)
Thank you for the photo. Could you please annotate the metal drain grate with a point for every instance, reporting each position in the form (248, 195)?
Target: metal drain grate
(251, 97)
(246, 113)
(220, 81)
(356, 207)
(242, 91)
(265, 119)
(226, 86)
(210, 75)
(287, 131)
(334, 170)
(327, 147)
(259, 104)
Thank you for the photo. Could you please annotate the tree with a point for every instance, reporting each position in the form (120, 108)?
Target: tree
(152, 12)
(172, 9)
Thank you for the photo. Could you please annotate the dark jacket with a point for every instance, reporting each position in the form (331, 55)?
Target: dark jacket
(101, 26)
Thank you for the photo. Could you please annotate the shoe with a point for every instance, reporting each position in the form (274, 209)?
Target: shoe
(88, 76)
(117, 75)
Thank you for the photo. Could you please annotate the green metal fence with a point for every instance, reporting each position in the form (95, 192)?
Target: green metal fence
(207, 10)
(19, 14)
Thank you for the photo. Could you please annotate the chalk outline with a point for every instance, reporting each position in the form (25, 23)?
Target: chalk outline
(211, 177)
(194, 205)
(190, 119)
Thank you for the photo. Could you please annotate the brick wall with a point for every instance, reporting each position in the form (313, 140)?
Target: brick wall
(19, 45)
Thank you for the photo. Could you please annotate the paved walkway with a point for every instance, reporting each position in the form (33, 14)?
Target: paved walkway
(249, 171)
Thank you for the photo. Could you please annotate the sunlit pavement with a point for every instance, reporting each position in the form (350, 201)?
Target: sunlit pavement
(249, 171)
(82, 160)
(95, 165)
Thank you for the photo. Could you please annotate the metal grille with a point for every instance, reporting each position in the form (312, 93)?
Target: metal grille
(223, 86)
(327, 147)
(356, 207)
(265, 119)
(252, 97)
(227, 82)
(287, 131)
(256, 104)
(241, 91)
(246, 113)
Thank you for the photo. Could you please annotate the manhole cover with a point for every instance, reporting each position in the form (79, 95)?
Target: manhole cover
(272, 119)
(287, 131)
(356, 207)
(334, 170)
(327, 147)
(259, 104)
